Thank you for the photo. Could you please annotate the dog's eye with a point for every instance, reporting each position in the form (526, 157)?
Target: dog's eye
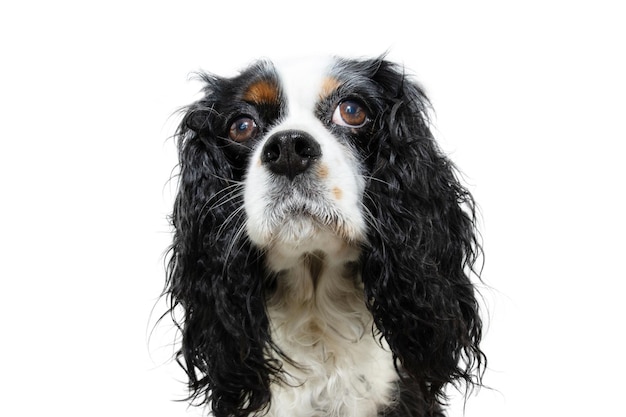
(243, 129)
(350, 113)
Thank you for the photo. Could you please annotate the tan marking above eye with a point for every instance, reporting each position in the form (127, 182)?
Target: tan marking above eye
(329, 86)
(262, 92)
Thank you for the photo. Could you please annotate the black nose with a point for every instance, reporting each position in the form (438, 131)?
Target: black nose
(290, 152)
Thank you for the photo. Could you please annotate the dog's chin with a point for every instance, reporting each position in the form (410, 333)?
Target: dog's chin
(294, 234)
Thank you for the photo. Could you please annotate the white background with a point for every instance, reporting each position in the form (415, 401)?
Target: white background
(530, 101)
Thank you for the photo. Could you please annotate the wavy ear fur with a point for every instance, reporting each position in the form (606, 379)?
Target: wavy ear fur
(214, 274)
(421, 246)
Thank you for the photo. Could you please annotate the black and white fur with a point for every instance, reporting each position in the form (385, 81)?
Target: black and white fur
(323, 246)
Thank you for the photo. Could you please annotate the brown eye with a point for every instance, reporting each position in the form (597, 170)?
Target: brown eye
(349, 113)
(243, 129)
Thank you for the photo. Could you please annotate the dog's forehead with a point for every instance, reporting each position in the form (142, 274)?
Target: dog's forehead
(299, 83)
(305, 81)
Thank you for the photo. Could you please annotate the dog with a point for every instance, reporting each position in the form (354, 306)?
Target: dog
(323, 246)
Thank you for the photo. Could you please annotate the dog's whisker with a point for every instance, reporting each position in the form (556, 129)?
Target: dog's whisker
(372, 178)
(222, 198)
(236, 214)
(239, 238)
(370, 218)
(233, 192)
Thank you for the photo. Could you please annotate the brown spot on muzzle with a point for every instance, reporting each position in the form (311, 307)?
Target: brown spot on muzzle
(322, 171)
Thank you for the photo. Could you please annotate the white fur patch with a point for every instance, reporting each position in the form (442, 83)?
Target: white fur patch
(326, 329)
(310, 232)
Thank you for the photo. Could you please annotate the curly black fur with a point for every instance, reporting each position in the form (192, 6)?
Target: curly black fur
(214, 274)
(421, 248)
(424, 245)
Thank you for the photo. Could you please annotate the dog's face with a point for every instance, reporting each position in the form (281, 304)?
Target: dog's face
(298, 135)
(304, 184)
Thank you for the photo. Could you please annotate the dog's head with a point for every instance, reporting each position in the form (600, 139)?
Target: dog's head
(333, 158)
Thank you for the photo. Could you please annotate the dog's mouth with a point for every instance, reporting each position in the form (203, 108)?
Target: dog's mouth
(297, 216)
(301, 221)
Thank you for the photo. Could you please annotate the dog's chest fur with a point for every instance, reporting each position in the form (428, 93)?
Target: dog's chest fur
(320, 321)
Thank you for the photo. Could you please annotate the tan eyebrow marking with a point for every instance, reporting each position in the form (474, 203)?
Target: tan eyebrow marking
(262, 92)
(329, 86)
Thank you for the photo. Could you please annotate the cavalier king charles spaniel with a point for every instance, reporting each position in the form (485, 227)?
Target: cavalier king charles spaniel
(323, 246)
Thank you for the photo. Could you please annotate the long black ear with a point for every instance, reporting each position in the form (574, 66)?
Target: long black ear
(422, 246)
(214, 274)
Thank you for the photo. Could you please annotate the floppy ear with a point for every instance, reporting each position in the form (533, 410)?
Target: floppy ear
(421, 246)
(213, 274)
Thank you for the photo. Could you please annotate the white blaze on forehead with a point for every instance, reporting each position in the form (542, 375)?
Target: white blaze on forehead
(302, 81)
